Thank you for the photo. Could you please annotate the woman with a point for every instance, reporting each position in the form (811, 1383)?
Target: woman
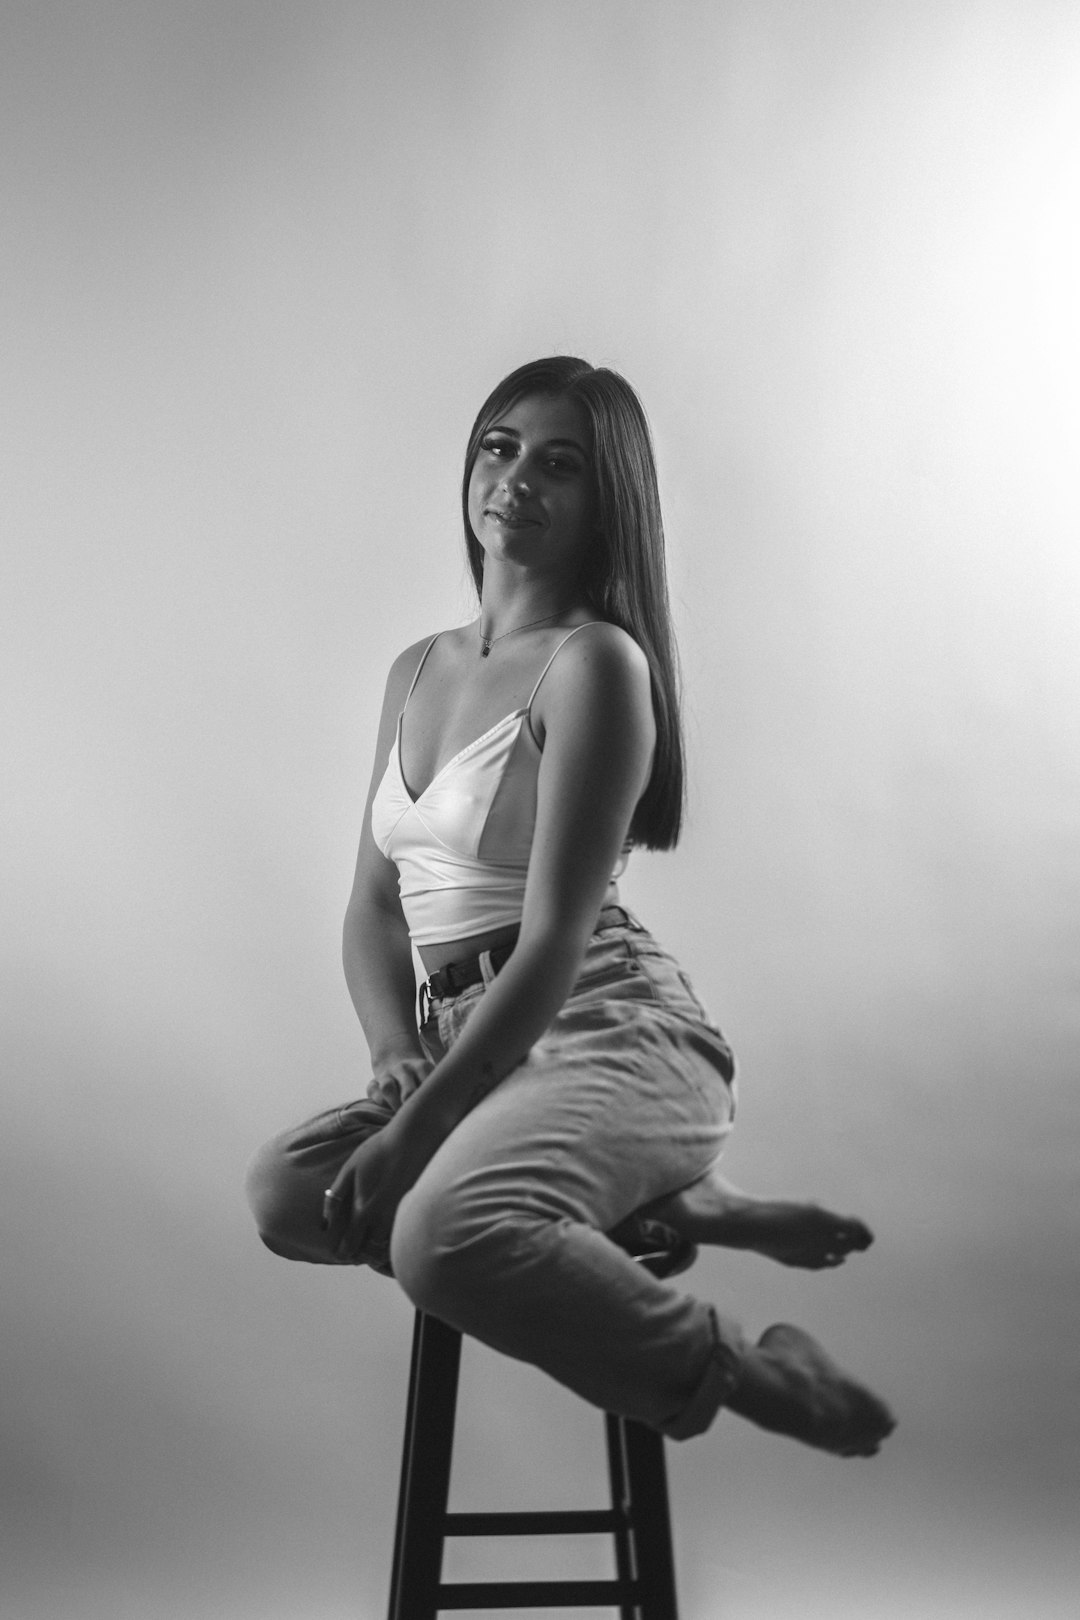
(566, 1097)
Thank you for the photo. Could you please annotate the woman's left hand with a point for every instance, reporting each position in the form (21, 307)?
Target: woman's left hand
(359, 1207)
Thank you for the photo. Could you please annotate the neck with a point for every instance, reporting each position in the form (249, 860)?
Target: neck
(507, 603)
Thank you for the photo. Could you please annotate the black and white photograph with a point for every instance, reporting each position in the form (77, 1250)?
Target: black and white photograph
(540, 872)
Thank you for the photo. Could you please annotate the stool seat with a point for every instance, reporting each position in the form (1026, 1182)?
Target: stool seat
(638, 1519)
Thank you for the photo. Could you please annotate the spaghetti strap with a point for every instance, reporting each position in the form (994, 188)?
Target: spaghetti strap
(551, 660)
(419, 667)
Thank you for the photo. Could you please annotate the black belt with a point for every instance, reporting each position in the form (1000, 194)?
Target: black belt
(457, 976)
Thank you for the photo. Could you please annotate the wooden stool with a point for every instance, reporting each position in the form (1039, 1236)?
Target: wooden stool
(639, 1518)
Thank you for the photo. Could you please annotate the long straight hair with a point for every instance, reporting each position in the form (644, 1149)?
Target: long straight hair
(625, 575)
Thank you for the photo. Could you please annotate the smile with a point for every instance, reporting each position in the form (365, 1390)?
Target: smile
(510, 520)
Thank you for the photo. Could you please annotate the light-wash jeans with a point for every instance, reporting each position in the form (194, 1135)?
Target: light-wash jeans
(627, 1097)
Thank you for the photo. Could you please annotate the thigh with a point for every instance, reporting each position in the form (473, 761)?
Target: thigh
(618, 1104)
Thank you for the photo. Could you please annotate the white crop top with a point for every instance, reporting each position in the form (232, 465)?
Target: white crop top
(462, 847)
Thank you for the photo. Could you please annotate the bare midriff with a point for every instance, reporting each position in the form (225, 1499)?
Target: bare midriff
(435, 957)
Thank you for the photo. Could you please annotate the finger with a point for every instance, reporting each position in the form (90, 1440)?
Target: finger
(355, 1245)
(364, 1239)
(350, 1235)
(336, 1210)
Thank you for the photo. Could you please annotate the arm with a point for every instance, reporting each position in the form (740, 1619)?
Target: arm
(375, 939)
(597, 728)
(598, 736)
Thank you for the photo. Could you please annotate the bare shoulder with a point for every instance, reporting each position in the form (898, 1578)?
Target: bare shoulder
(599, 668)
(404, 668)
(603, 653)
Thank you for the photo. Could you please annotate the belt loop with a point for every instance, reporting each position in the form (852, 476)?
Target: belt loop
(616, 916)
(423, 1003)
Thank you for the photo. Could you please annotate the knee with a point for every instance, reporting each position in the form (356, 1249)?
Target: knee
(414, 1257)
(439, 1253)
(273, 1198)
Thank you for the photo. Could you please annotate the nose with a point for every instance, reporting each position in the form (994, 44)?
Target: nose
(516, 480)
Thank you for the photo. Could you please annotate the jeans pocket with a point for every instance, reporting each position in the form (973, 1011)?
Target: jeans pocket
(672, 986)
(607, 959)
(453, 1014)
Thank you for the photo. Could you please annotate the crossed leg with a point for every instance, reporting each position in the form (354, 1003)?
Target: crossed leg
(785, 1383)
(713, 1210)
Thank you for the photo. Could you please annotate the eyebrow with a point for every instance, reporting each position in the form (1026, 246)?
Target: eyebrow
(549, 444)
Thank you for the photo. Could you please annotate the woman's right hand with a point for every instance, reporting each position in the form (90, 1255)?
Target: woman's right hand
(397, 1076)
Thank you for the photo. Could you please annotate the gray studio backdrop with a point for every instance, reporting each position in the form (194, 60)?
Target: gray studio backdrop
(261, 262)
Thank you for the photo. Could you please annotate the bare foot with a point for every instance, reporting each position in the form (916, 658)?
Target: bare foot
(712, 1210)
(788, 1384)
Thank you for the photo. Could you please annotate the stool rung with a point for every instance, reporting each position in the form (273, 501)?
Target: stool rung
(589, 1521)
(535, 1594)
(637, 1521)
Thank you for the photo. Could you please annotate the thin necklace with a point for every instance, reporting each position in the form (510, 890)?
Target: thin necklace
(487, 642)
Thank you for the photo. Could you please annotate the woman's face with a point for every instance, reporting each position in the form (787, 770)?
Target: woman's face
(531, 489)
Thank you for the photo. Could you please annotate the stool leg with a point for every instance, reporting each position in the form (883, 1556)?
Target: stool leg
(619, 1476)
(650, 1516)
(425, 1470)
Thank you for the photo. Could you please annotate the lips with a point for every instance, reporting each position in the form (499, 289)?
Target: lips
(509, 518)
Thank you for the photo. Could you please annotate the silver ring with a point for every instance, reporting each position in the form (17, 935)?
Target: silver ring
(333, 1196)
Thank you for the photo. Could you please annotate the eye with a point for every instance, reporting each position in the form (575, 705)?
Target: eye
(563, 464)
(500, 448)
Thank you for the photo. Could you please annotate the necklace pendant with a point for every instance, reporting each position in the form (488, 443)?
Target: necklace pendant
(485, 649)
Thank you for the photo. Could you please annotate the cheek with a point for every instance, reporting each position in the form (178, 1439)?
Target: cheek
(476, 499)
(579, 518)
